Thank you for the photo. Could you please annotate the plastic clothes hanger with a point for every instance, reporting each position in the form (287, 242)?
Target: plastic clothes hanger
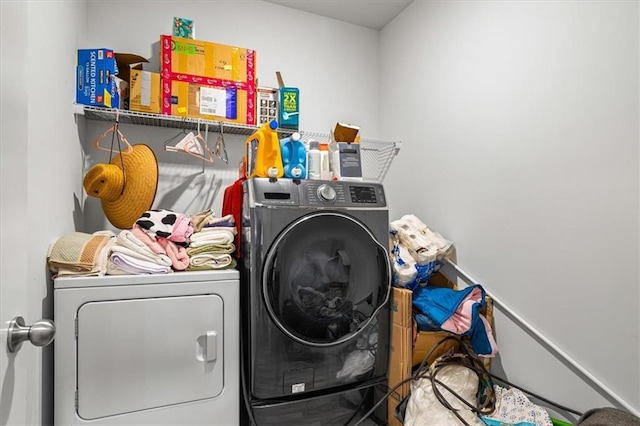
(192, 144)
(115, 134)
(220, 148)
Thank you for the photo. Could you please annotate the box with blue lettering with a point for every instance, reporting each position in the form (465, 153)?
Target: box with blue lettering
(95, 78)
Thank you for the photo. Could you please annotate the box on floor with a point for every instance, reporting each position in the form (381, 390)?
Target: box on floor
(409, 347)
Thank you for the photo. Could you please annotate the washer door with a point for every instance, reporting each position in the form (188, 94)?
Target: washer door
(325, 278)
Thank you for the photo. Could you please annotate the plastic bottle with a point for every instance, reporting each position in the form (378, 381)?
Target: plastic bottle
(294, 157)
(325, 172)
(334, 159)
(262, 150)
(314, 160)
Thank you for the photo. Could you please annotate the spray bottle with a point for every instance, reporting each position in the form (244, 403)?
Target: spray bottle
(262, 150)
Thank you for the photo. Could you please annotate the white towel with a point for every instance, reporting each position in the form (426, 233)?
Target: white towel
(212, 236)
(135, 265)
(130, 245)
(212, 260)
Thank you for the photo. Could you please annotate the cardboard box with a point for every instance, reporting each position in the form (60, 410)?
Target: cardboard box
(409, 347)
(127, 64)
(207, 59)
(207, 80)
(403, 343)
(144, 91)
(208, 101)
(95, 82)
(288, 105)
(267, 104)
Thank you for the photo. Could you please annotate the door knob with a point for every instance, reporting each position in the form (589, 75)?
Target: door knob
(41, 333)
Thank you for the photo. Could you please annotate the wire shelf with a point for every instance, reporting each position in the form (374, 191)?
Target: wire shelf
(376, 155)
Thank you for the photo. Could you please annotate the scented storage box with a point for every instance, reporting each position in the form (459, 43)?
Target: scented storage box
(95, 82)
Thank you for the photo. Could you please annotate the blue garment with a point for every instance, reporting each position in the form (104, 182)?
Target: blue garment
(435, 305)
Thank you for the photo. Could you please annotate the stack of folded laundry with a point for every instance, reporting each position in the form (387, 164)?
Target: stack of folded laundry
(81, 254)
(160, 242)
(212, 244)
(416, 251)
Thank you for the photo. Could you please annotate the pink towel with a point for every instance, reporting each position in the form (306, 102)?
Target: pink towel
(177, 254)
(159, 245)
(148, 239)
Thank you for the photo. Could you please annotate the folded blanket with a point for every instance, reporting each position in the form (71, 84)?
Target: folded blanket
(135, 265)
(211, 261)
(78, 251)
(99, 268)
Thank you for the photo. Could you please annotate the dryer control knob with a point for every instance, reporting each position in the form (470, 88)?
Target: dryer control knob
(326, 193)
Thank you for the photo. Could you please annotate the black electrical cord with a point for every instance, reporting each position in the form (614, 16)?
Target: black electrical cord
(473, 364)
(353, 416)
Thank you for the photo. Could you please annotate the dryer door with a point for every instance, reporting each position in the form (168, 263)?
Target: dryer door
(324, 279)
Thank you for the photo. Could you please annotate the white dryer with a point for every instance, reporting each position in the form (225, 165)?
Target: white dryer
(147, 349)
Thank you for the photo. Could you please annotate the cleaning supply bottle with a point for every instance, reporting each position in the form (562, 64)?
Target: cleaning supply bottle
(334, 159)
(325, 172)
(262, 150)
(294, 157)
(314, 160)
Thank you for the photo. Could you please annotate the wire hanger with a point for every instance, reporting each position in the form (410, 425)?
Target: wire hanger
(192, 144)
(115, 134)
(220, 148)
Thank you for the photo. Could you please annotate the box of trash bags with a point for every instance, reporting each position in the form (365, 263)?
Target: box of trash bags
(409, 346)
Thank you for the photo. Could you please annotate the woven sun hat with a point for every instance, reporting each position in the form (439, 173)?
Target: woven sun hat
(126, 186)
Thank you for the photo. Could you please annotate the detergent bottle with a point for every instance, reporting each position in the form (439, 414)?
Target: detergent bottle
(262, 150)
(294, 157)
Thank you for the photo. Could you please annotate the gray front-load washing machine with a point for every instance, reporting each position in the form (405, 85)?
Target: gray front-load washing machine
(315, 286)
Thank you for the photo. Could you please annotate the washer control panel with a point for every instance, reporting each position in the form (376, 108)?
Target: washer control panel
(316, 193)
(341, 194)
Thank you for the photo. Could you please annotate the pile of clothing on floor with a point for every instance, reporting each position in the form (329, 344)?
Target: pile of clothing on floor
(160, 242)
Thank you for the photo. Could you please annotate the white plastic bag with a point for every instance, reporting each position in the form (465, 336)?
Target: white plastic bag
(424, 409)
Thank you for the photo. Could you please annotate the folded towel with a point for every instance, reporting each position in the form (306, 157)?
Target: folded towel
(213, 236)
(150, 240)
(211, 261)
(136, 265)
(78, 251)
(199, 220)
(178, 255)
(212, 248)
(130, 245)
(158, 245)
(224, 219)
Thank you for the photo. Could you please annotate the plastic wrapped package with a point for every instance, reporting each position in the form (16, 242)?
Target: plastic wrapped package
(424, 408)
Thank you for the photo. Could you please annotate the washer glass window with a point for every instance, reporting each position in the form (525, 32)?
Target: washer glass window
(325, 278)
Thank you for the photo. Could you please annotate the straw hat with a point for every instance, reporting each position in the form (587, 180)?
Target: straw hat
(125, 196)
